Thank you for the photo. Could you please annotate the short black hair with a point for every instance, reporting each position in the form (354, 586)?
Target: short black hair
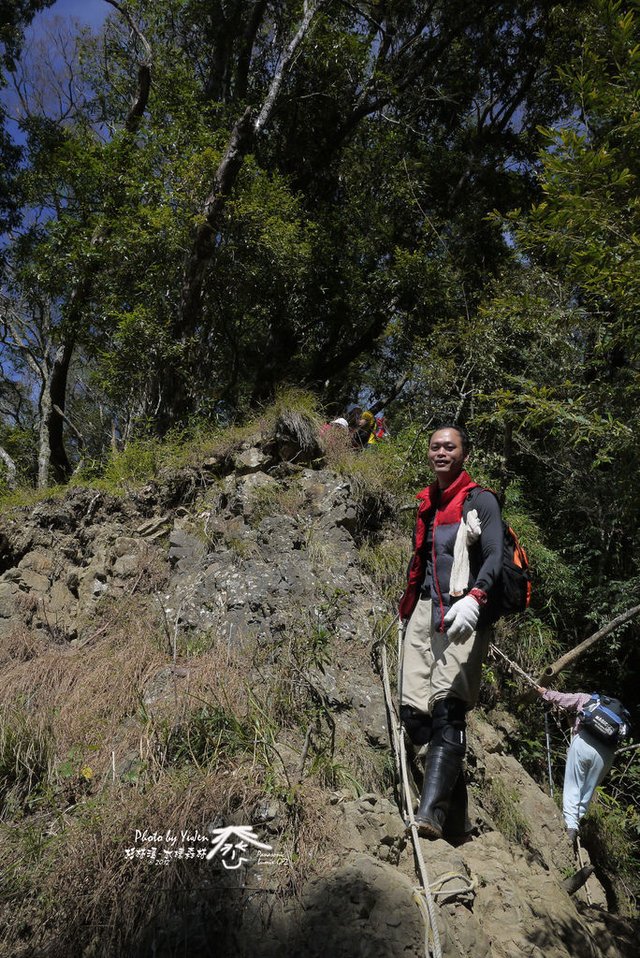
(464, 435)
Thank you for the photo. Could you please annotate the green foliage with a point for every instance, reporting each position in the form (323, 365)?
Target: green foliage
(75, 766)
(14, 17)
(589, 219)
(335, 775)
(376, 479)
(27, 496)
(585, 230)
(144, 458)
(20, 444)
(531, 753)
(357, 217)
(569, 394)
(556, 583)
(304, 646)
(137, 463)
(386, 564)
(290, 400)
(194, 644)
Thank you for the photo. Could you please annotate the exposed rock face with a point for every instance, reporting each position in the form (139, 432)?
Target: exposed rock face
(248, 554)
(62, 557)
(494, 899)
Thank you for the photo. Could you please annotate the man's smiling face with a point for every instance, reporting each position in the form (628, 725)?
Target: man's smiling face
(447, 456)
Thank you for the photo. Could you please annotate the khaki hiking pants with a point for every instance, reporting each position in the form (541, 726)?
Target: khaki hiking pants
(434, 668)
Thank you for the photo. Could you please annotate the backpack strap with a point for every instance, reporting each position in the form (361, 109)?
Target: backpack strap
(473, 494)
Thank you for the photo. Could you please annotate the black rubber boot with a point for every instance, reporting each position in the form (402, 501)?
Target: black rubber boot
(442, 769)
(457, 826)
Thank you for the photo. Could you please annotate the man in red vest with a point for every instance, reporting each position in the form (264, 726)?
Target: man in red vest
(447, 605)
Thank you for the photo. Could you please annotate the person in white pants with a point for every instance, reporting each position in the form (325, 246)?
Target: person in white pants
(588, 760)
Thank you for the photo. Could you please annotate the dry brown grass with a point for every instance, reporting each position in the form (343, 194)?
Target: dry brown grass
(203, 747)
(88, 692)
(77, 883)
(69, 886)
(21, 645)
(122, 737)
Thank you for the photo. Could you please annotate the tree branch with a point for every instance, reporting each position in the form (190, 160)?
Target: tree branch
(139, 105)
(73, 428)
(310, 10)
(569, 657)
(244, 131)
(395, 390)
(246, 50)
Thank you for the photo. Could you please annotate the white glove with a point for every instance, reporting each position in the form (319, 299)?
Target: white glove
(462, 618)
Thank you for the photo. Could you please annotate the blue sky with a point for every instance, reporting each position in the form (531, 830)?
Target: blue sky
(92, 12)
(88, 13)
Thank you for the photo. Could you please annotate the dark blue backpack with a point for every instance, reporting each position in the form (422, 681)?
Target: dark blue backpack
(606, 718)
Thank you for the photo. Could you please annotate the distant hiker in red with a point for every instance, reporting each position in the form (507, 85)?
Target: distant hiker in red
(339, 424)
(335, 437)
(381, 432)
(447, 603)
(601, 722)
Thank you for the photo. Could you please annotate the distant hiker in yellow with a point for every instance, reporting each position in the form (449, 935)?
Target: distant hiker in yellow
(361, 435)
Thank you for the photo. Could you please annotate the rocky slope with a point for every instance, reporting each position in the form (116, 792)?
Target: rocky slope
(255, 550)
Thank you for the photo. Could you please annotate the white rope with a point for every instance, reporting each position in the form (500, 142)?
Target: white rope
(514, 665)
(424, 896)
(467, 892)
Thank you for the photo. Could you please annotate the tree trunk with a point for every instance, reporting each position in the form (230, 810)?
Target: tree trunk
(51, 448)
(44, 447)
(57, 398)
(11, 468)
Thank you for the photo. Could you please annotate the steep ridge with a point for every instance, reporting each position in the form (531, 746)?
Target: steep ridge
(248, 597)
